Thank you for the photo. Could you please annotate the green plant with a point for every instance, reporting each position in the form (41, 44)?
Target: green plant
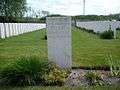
(54, 75)
(27, 71)
(22, 72)
(107, 34)
(94, 78)
(114, 66)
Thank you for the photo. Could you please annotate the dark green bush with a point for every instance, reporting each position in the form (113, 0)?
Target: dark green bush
(45, 37)
(22, 72)
(107, 34)
(91, 31)
(118, 29)
(27, 71)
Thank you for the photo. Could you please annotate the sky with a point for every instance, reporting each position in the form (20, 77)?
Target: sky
(75, 7)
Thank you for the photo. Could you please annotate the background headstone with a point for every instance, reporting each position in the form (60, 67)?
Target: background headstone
(99, 26)
(59, 40)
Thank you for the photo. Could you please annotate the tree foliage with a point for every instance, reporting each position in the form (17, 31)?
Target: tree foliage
(96, 17)
(12, 8)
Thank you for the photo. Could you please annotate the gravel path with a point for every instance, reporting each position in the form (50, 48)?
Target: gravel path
(77, 78)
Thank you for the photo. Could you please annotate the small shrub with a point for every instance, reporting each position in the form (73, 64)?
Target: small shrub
(22, 72)
(94, 78)
(45, 37)
(27, 71)
(114, 67)
(118, 29)
(90, 31)
(54, 75)
(107, 34)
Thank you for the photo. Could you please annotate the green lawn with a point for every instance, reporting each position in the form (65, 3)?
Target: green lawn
(90, 50)
(87, 49)
(23, 45)
(64, 88)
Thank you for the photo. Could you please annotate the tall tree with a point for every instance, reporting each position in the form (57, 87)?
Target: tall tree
(12, 8)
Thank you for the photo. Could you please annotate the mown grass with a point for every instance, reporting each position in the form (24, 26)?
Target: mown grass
(29, 44)
(87, 49)
(90, 50)
(63, 88)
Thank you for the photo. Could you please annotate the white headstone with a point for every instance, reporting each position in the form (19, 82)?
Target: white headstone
(2, 29)
(114, 27)
(59, 40)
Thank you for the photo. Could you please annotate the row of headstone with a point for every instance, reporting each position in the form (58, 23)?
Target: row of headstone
(14, 29)
(100, 26)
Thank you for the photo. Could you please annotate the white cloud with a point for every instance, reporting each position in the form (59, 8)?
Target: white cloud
(75, 7)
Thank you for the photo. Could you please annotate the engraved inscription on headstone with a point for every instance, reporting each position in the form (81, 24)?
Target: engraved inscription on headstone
(59, 40)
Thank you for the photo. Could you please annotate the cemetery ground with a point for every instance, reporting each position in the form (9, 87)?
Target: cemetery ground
(63, 88)
(88, 50)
